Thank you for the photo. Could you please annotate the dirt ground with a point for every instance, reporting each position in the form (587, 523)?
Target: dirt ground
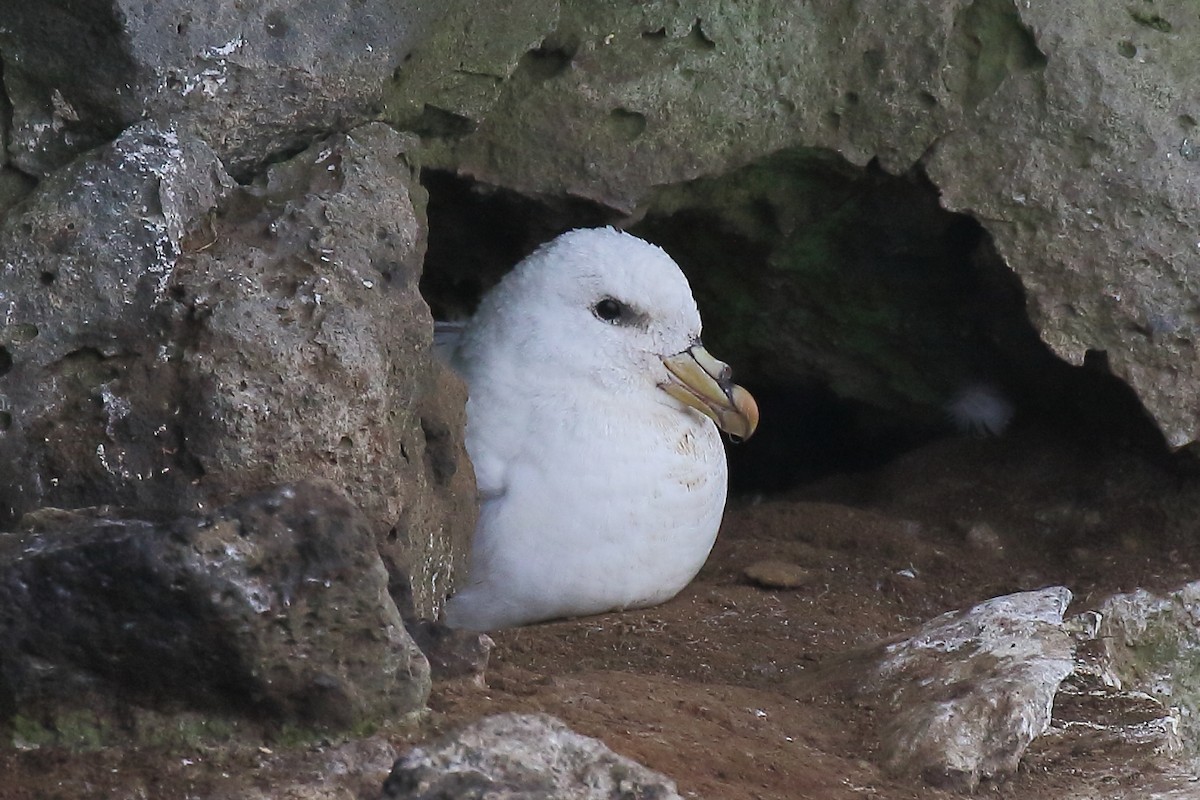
(713, 688)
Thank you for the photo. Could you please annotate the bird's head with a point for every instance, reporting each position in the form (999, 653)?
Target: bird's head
(602, 305)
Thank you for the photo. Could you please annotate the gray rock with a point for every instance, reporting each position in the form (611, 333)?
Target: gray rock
(250, 79)
(967, 693)
(1062, 131)
(171, 341)
(522, 757)
(452, 653)
(1081, 153)
(13, 185)
(85, 266)
(1151, 645)
(1095, 712)
(273, 609)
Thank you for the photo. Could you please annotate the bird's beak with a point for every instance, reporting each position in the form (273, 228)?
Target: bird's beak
(702, 382)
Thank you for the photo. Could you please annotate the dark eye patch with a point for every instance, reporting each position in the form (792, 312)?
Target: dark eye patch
(610, 310)
(618, 312)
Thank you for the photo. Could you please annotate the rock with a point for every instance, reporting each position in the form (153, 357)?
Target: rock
(349, 770)
(173, 341)
(274, 609)
(452, 653)
(995, 103)
(1093, 712)
(13, 185)
(486, 42)
(525, 757)
(1093, 287)
(966, 694)
(771, 574)
(1151, 646)
(250, 80)
(86, 265)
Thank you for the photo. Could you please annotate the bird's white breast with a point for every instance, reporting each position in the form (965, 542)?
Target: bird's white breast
(604, 503)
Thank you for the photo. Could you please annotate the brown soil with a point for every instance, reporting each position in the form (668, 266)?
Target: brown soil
(714, 688)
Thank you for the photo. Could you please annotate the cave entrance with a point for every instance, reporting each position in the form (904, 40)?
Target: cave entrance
(866, 319)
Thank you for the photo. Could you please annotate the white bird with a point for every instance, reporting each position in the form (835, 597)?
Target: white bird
(590, 423)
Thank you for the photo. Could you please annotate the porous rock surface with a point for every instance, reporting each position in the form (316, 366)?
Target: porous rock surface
(1070, 134)
(522, 757)
(275, 608)
(172, 340)
(250, 79)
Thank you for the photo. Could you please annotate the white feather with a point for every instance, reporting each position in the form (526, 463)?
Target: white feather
(980, 409)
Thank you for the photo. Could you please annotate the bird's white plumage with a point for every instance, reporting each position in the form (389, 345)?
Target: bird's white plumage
(598, 490)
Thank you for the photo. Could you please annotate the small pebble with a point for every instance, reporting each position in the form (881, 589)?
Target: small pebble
(777, 574)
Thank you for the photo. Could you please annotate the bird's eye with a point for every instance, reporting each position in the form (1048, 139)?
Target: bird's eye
(608, 309)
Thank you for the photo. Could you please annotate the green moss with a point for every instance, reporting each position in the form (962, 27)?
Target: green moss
(364, 728)
(74, 730)
(185, 730)
(28, 734)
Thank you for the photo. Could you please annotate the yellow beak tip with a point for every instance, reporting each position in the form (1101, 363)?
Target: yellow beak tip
(747, 412)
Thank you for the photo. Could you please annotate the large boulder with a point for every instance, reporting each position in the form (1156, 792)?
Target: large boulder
(172, 340)
(274, 610)
(251, 79)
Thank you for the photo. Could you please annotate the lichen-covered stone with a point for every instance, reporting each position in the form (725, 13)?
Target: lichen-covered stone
(966, 694)
(250, 79)
(171, 341)
(275, 609)
(1152, 645)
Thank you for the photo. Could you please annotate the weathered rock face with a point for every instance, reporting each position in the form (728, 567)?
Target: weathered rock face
(958, 702)
(311, 345)
(172, 341)
(86, 266)
(1094, 709)
(1152, 646)
(275, 609)
(530, 756)
(13, 185)
(1091, 192)
(251, 80)
(969, 691)
(1069, 135)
